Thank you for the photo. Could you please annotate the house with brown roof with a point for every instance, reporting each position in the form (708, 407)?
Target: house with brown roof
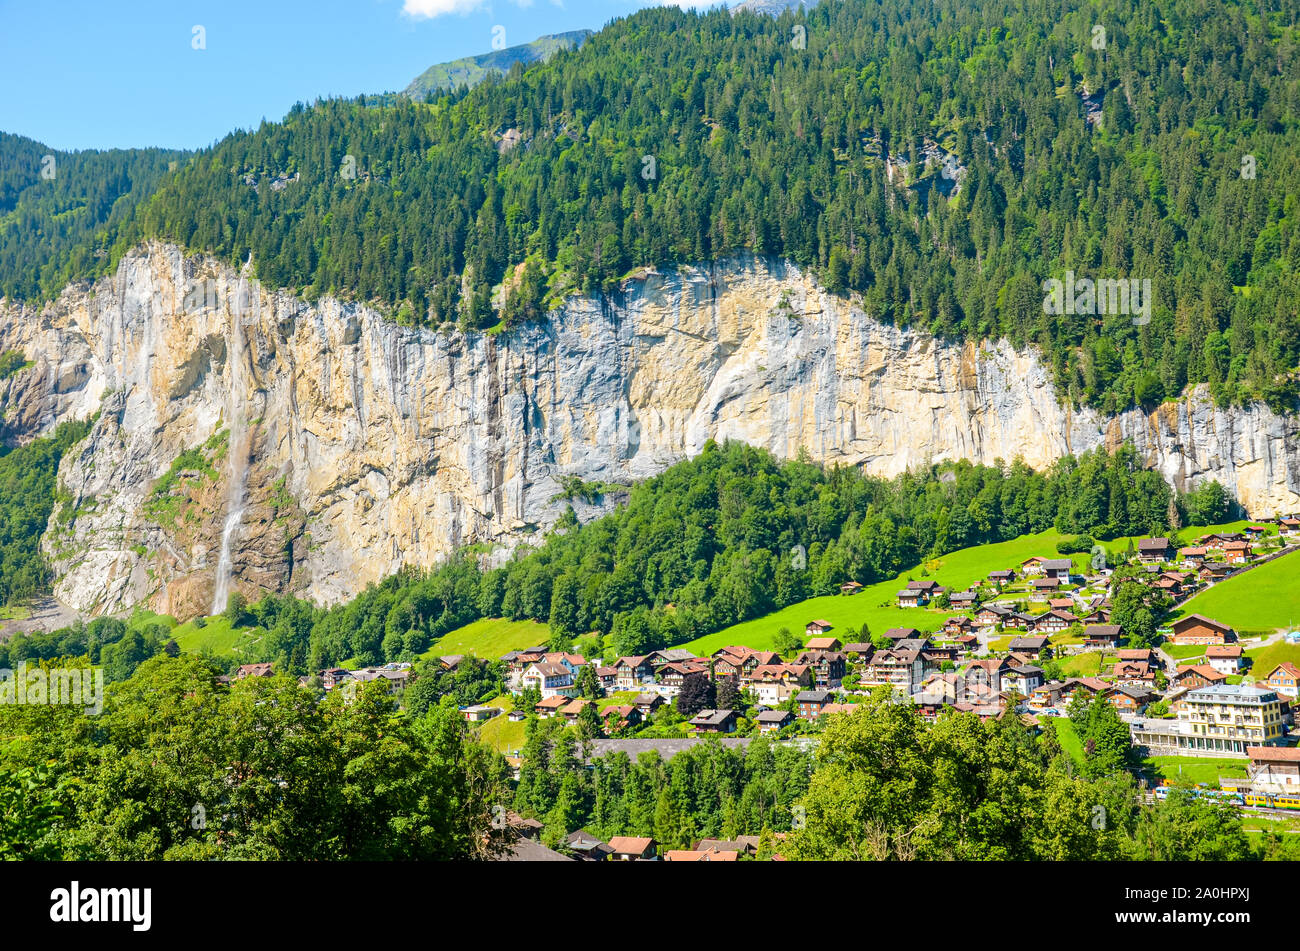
(1284, 680)
(633, 672)
(1102, 635)
(850, 587)
(964, 599)
(1134, 672)
(913, 598)
(859, 651)
(648, 703)
(811, 702)
(253, 670)
(1154, 550)
(1142, 655)
(628, 848)
(550, 706)
(1197, 675)
(1199, 629)
(1192, 557)
(1053, 622)
(1237, 553)
(1289, 527)
(1131, 698)
(573, 709)
(827, 666)
(1001, 578)
(620, 717)
(897, 634)
(772, 721)
(773, 684)
(700, 855)
(817, 628)
(1274, 770)
(551, 680)
(1225, 658)
(823, 644)
(714, 721)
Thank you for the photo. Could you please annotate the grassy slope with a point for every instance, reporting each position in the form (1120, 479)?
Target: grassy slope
(1264, 659)
(1069, 739)
(1264, 598)
(1196, 769)
(490, 638)
(216, 635)
(499, 733)
(847, 614)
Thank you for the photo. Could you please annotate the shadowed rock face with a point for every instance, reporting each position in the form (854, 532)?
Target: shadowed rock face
(376, 445)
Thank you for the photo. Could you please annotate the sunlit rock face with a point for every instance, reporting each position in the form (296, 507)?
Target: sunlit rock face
(369, 445)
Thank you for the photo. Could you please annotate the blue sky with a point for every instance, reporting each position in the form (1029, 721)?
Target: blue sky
(120, 74)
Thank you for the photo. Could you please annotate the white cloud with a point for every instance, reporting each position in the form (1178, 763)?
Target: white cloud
(436, 8)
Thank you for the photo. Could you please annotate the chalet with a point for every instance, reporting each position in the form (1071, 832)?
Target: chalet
(1102, 635)
(1141, 655)
(859, 651)
(1024, 680)
(395, 677)
(672, 675)
(992, 614)
(727, 661)
(1088, 686)
(817, 628)
(587, 847)
(1237, 553)
(1061, 604)
(1046, 695)
(1274, 769)
(647, 703)
(898, 667)
(480, 712)
(811, 702)
(573, 709)
(1045, 584)
(930, 587)
(1199, 629)
(607, 677)
(632, 848)
(573, 661)
(1021, 622)
(451, 661)
(958, 625)
(1284, 679)
(1058, 568)
(550, 706)
(1100, 615)
(1215, 571)
(1053, 622)
(515, 716)
(1225, 658)
(633, 672)
(1255, 532)
(986, 673)
(253, 670)
(913, 598)
(1131, 698)
(1030, 644)
(1001, 578)
(850, 587)
(1289, 527)
(1192, 557)
(334, 676)
(964, 599)
(827, 666)
(771, 721)
(773, 684)
(550, 680)
(1134, 672)
(1154, 550)
(714, 721)
(1031, 567)
(620, 717)
(823, 644)
(897, 634)
(1197, 675)
(1168, 586)
(968, 643)
(671, 655)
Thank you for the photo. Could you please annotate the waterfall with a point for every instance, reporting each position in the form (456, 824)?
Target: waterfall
(239, 446)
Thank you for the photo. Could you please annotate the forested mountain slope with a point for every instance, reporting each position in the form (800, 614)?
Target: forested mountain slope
(941, 158)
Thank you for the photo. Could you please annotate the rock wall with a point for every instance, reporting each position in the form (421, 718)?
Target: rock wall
(373, 445)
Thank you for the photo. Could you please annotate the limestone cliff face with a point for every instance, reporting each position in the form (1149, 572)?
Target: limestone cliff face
(368, 445)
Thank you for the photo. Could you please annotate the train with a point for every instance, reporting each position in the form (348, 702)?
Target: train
(1247, 800)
